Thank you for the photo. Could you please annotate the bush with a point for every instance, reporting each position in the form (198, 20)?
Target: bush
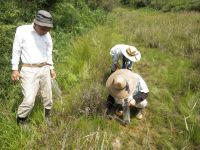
(6, 39)
(9, 12)
(107, 5)
(76, 18)
(135, 3)
(13, 11)
(65, 16)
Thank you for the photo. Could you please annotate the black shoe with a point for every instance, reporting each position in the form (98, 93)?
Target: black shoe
(22, 122)
(138, 113)
(48, 117)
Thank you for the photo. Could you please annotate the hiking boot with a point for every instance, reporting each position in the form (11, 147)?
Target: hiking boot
(139, 114)
(119, 113)
(48, 121)
(48, 117)
(22, 122)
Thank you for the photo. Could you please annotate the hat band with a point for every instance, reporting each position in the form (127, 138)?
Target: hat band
(44, 19)
(126, 88)
(129, 53)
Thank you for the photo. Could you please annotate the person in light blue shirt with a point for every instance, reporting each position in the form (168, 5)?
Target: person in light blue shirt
(124, 57)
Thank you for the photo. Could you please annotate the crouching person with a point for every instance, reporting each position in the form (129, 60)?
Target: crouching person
(125, 86)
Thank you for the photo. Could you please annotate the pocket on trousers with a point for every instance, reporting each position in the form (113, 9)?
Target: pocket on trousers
(21, 72)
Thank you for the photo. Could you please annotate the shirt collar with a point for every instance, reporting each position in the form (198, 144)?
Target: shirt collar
(32, 28)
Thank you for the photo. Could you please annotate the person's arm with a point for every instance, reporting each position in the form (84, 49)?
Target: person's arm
(143, 90)
(49, 56)
(114, 52)
(115, 64)
(16, 53)
(140, 96)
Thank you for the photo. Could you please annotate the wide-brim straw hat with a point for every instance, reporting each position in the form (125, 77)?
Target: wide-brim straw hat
(43, 18)
(121, 84)
(132, 53)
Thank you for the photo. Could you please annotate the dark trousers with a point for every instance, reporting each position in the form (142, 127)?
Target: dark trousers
(112, 106)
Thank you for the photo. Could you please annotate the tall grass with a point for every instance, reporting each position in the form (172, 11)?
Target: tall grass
(165, 5)
(158, 30)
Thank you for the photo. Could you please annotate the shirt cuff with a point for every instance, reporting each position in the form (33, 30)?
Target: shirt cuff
(51, 67)
(14, 67)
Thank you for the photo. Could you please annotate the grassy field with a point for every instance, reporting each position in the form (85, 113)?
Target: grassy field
(169, 44)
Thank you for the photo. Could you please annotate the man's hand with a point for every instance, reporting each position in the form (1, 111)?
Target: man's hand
(132, 102)
(53, 74)
(15, 75)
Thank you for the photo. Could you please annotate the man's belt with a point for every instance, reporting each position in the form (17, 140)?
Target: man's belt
(35, 65)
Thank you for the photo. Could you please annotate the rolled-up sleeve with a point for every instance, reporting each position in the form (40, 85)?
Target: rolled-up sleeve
(16, 50)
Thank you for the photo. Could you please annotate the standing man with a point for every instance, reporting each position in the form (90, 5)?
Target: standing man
(33, 45)
(124, 85)
(125, 54)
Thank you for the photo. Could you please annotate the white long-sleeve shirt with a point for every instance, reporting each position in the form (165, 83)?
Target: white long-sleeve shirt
(141, 85)
(31, 47)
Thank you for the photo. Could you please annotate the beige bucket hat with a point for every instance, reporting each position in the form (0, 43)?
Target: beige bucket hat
(132, 53)
(121, 84)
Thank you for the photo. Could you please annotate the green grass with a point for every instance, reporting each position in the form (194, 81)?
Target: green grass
(83, 65)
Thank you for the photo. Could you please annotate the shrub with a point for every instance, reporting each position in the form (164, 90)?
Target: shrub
(107, 5)
(6, 38)
(9, 12)
(76, 18)
(65, 16)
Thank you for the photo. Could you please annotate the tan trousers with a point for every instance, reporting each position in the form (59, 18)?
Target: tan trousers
(33, 79)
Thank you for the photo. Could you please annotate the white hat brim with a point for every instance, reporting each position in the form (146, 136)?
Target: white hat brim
(134, 58)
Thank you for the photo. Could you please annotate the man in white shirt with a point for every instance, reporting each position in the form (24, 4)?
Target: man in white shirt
(33, 45)
(123, 85)
(123, 57)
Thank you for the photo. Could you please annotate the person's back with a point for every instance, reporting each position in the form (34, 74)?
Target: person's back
(123, 85)
(124, 56)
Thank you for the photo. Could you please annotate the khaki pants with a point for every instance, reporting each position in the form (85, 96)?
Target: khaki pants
(33, 79)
